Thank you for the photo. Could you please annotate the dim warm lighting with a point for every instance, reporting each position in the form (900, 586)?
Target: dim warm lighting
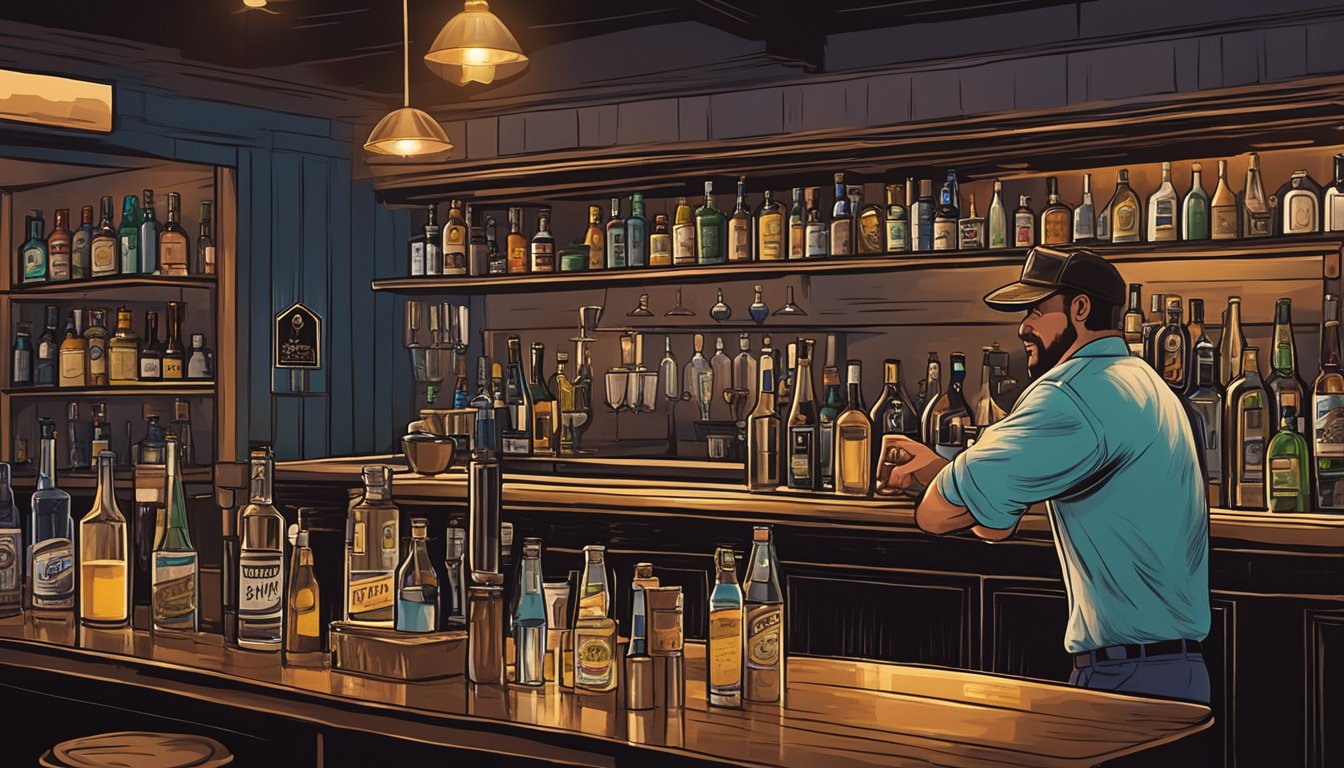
(475, 47)
(255, 3)
(407, 132)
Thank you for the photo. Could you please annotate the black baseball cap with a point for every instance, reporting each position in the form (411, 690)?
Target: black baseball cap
(1048, 271)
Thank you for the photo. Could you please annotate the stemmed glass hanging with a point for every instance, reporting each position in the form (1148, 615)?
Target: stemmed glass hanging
(679, 310)
(790, 309)
(643, 309)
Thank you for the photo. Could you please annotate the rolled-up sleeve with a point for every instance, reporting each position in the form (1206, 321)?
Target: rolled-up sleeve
(1040, 451)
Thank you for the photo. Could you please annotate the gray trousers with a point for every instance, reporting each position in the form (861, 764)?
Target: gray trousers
(1173, 676)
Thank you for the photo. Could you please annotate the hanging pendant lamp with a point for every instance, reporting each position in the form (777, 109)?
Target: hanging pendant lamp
(407, 132)
(475, 46)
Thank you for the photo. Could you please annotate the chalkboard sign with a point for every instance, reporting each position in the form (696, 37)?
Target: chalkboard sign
(298, 338)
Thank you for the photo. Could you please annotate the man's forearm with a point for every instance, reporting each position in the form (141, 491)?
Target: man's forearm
(936, 515)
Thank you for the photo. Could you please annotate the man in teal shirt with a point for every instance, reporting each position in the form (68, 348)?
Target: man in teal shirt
(1104, 442)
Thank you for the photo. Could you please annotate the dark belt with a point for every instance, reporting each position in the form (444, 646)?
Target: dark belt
(1135, 651)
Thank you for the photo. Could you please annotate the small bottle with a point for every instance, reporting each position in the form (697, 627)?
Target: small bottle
(454, 588)
(21, 374)
(529, 620)
(543, 244)
(971, 230)
(515, 244)
(123, 352)
(770, 232)
(261, 561)
(303, 619)
(372, 544)
(815, 247)
(724, 652)
(1056, 217)
(1085, 215)
(660, 242)
(74, 366)
(1195, 208)
(1024, 223)
(151, 355)
(417, 585)
(683, 235)
(478, 253)
(205, 263)
(898, 226)
(1288, 467)
(1257, 218)
(174, 245)
(33, 251)
(104, 556)
(95, 336)
(711, 242)
(797, 226)
(454, 241)
(58, 248)
(594, 631)
(636, 234)
(842, 221)
(103, 246)
(1162, 209)
(415, 249)
(997, 221)
(201, 364)
(175, 570)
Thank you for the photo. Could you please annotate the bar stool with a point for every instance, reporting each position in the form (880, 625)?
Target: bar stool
(143, 750)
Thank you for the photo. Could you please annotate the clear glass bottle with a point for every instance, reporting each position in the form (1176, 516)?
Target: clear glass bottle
(696, 373)
(763, 427)
(1085, 215)
(52, 532)
(1286, 387)
(764, 630)
(594, 630)
(853, 440)
(739, 226)
(724, 651)
(261, 560)
(997, 220)
(201, 363)
(893, 413)
(1223, 208)
(993, 371)
(816, 237)
(478, 252)
(1246, 411)
(722, 368)
(567, 415)
(770, 233)
(1299, 205)
(417, 585)
(1328, 416)
(1206, 403)
(1056, 217)
(454, 586)
(711, 245)
(1195, 208)
(303, 619)
(104, 556)
(529, 620)
(1288, 479)
(744, 364)
(372, 547)
(1231, 343)
(205, 263)
(1162, 209)
(616, 254)
(174, 568)
(804, 450)
(1256, 216)
(11, 549)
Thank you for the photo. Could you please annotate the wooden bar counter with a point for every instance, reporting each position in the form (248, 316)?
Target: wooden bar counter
(836, 712)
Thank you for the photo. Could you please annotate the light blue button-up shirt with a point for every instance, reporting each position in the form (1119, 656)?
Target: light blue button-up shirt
(1107, 445)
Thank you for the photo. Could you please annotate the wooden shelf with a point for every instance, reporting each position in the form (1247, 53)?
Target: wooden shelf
(87, 479)
(1299, 245)
(75, 289)
(150, 388)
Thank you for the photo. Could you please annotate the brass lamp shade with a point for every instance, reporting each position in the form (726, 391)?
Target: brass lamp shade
(475, 46)
(408, 132)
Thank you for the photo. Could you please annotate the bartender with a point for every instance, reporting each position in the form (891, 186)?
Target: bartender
(1104, 442)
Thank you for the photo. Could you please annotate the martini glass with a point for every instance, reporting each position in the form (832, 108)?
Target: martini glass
(790, 309)
(679, 310)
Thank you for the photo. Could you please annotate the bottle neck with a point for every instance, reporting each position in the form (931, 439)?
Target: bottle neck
(46, 477)
(107, 497)
(260, 487)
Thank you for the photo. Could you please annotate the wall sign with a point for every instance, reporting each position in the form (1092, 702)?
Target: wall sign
(298, 338)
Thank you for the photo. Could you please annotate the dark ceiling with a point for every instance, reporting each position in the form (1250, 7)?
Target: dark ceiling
(356, 43)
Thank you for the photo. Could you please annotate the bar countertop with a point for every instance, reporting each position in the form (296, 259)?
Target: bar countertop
(837, 712)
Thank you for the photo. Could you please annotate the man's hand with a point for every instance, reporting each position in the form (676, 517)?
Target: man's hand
(906, 466)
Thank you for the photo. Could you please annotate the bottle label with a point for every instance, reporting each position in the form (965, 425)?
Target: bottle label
(1023, 226)
(543, 257)
(711, 250)
(173, 255)
(259, 593)
(725, 647)
(898, 234)
(1252, 411)
(1164, 214)
(1300, 213)
(103, 256)
(841, 243)
(971, 235)
(1285, 477)
(826, 446)
(802, 453)
(173, 599)
(739, 236)
(765, 624)
(72, 367)
(59, 256)
(124, 364)
(1125, 221)
(771, 246)
(172, 368)
(660, 250)
(1084, 222)
(797, 240)
(517, 260)
(23, 366)
(1173, 361)
(1336, 213)
(683, 237)
(1329, 425)
(1224, 221)
(1055, 230)
(10, 541)
(151, 368)
(455, 238)
(870, 232)
(944, 235)
(34, 263)
(616, 249)
(417, 259)
(454, 261)
(1196, 221)
(592, 661)
(208, 259)
(1257, 224)
(53, 568)
(816, 241)
(97, 359)
(130, 252)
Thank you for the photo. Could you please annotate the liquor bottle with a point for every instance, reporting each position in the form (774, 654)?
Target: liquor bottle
(454, 586)
(1171, 348)
(763, 427)
(1133, 321)
(1162, 209)
(102, 430)
(594, 668)
(51, 562)
(80, 240)
(78, 452)
(853, 440)
(616, 256)
(683, 235)
(1288, 479)
(1056, 217)
(103, 256)
(417, 585)
(372, 544)
(949, 422)
(174, 246)
(1286, 388)
(58, 248)
(201, 363)
(95, 338)
(1333, 207)
(636, 233)
(639, 608)
(945, 223)
(1231, 343)
(205, 244)
(721, 366)
(11, 549)
(181, 427)
(478, 252)
(510, 577)
(104, 557)
(529, 620)
(123, 352)
(997, 221)
(784, 384)
(1256, 216)
(303, 597)
(564, 674)
(1125, 211)
(151, 354)
(1157, 315)
(516, 244)
(1085, 215)
(1327, 412)
(1206, 404)
(152, 449)
(660, 242)
(804, 450)
(869, 235)
(498, 262)
(44, 372)
(175, 571)
(993, 375)
(841, 238)
(150, 229)
(562, 387)
(1024, 223)
(544, 418)
(1198, 334)
(898, 226)
(832, 405)
(698, 377)
(1195, 208)
(922, 217)
(174, 354)
(930, 388)
(710, 240)
(971, 230)
(743, 374)
(739, 226)
(261, 560)
(1223, 208)
(74, 368)
(21, 375)
(1299, 203)
(543, 244)
(815, 234)
(455, 241)
(797, 243)
(129, 230)
(1246, 433)
(764, 606)
(516, 430)
(770, 244)
(893, 413)
(724, 652)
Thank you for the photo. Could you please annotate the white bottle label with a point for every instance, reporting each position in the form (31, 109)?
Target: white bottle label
(259, 589)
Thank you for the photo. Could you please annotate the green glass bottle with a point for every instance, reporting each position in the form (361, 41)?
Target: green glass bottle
(1288, 481)
(710, 243)
(130, 235)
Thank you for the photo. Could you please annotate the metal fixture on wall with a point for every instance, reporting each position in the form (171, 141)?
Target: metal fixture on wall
(475, 46)
(407, 132)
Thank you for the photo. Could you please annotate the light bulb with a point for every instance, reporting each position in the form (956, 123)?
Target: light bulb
(475, 57)
(485, 73)
(407, 147)
(255, 3)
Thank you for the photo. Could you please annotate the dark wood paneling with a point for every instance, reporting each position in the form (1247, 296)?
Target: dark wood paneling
(1325, 694)
(1027, 626)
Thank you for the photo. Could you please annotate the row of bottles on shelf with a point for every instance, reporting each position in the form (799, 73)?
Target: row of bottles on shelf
(913, 220)
(90, 356)
(85, 441)
(139, 245)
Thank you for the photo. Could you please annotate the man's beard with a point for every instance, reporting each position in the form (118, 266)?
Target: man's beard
(1048, 357)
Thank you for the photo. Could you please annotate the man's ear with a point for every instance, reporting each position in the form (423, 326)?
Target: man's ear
(1080, 308)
